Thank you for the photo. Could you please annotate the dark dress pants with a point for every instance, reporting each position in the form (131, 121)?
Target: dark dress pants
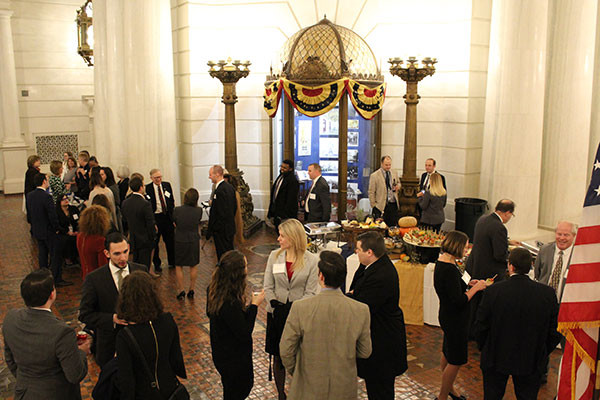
(237, 380)
(143, 256)
(167, 231)
(380, 388)
(494, 385)
(390, 214)
(49, 249)
(223, 243)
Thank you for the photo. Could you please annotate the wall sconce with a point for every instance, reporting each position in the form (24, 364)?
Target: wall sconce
(85, 33)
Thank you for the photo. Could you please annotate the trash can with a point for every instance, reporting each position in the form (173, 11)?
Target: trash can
(468, 210)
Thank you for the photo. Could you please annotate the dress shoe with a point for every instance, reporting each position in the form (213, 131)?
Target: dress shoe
(190, 294)
(63, 284)
(181, 295)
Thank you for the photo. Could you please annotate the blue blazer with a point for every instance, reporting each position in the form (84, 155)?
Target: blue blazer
(41, 214)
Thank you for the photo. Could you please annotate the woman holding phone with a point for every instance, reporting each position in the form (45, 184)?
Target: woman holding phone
(451, 287)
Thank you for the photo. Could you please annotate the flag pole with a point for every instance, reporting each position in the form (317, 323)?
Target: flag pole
(596, 394)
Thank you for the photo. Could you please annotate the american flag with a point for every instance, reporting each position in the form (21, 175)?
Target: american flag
(579, 316)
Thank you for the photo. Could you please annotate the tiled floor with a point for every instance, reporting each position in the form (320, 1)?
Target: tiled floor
(421, 381)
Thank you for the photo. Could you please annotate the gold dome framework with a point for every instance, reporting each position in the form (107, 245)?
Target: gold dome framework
(318, 55)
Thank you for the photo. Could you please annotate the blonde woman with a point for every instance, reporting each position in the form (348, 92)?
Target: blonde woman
(432, 203)
(291, 274)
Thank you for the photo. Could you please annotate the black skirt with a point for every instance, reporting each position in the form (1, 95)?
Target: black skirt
(275, 324)
(187, 254)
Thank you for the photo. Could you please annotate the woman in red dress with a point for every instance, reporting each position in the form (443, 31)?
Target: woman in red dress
(93, 227)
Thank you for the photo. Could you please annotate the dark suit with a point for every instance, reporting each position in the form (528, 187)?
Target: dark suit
(221, 220)
(284, 205)
(516, 331)
(164, 222)
(29, 175)
(83, 182)
(41, 352)
(377, 286)
(424, 176)
(140, 219)
(490, 249)
(319, 202)
(41, 214)
(488, 257)
(98, 304)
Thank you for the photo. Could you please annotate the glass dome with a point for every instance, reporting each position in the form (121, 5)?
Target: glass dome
(325, 52)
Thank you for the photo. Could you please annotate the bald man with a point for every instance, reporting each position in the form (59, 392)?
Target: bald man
(553, 261)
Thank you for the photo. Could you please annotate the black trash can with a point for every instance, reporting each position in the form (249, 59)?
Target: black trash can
(468, 210)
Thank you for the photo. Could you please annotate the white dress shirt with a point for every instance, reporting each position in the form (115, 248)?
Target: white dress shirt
(114, 271)
(565, 262)
(159, 209)
(309, 192)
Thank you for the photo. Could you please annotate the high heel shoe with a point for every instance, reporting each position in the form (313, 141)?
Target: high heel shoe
(455, 397)
(181, 295)
(190, 294)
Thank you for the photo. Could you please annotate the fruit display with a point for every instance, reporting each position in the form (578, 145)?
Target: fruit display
(369, 223)
(424, 238)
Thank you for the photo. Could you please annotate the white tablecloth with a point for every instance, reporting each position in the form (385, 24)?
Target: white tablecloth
(431, 303)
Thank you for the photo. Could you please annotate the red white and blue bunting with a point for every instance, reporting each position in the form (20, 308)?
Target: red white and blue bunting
(317, 100)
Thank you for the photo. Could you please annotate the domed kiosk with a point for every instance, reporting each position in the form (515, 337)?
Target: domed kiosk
(319, 68)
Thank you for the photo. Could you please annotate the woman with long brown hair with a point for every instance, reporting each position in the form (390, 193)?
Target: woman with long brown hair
(231, 324)
(93, 227)
(156, 335)
(291, 274)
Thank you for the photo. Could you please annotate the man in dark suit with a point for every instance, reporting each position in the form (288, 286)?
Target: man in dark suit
(317, 204)
(138, 214)
(100, 291)
(221, 220)
(490, 251)
(376, 284)
(516, 330)
(82, 176)
(284, 194)
(40, 350)
(490, 243)
(161, 197)
(429, 169)
(41, 214)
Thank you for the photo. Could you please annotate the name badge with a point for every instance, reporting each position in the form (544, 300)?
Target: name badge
(279, 268)
(466, 277)
(75, 217)
(312, 196)
(167, 194)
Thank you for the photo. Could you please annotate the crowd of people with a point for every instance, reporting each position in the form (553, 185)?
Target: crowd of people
(320, 332)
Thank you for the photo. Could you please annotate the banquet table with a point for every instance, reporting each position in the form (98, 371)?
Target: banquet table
(418, 299)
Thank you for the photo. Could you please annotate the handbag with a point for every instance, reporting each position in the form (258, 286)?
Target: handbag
(180, 392)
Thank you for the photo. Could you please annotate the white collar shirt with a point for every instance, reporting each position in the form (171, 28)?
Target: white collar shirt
(114, 272)
(565, 262)
(314, 182)
(159, 209)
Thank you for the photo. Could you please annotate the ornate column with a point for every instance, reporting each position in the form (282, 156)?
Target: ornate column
(514, 110)
(134, 94)
(14, 149)
(412, 73)
(567, 118)
(229, 74)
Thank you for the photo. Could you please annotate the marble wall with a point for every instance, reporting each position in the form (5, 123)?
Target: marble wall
(50, 70)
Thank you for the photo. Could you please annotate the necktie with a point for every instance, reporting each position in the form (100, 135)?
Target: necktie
(277, 186)
(557, 273)
(387, 180)
(120, 278)
(163, 205)
(308, 197)
(426, 182)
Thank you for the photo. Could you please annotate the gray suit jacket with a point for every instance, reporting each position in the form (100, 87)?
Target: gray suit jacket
(322, 338)
(432, 208)
(544, 262)
(304, 283)
(41, 352)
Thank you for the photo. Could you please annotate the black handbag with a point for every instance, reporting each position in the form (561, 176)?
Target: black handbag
(180, 392)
